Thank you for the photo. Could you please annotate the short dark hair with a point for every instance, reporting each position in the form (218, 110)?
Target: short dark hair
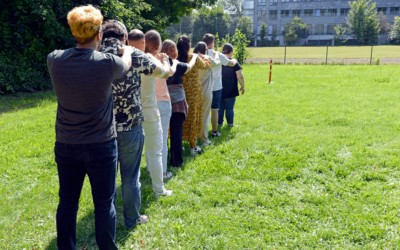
(228, 48)
(112, 28)
(208, 39)
(135, 35)
(201, 47)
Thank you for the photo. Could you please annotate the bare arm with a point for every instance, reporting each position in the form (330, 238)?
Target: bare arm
(240, 78)
(159, 66)
(232, 62)
(126, 52)
(167, 67)
(191, 64)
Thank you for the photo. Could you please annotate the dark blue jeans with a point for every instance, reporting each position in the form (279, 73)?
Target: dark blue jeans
(130, 149)
(99, 162)
(226, 106)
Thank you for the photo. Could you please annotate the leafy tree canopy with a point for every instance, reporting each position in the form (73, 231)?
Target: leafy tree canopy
(363, 22)
(31, 29)
(395, 32)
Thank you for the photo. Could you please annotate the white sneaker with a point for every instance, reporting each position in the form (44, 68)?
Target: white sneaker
(163, 193)
(167, 176)
(195, 151)
(206, 143)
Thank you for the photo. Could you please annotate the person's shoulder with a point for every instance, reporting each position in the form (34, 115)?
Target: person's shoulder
(57, 53)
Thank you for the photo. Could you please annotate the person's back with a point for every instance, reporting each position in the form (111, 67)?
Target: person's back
(82, 82)
(85, 130)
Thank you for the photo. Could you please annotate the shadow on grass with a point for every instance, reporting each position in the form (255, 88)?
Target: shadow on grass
(12, 103)
(85, 227)
(85, 232)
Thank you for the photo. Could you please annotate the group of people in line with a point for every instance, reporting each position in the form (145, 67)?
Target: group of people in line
(119, 91)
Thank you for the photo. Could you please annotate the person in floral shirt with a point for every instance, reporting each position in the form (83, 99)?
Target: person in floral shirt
(129, 117)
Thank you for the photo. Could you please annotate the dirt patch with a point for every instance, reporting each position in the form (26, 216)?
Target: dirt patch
(316, 61)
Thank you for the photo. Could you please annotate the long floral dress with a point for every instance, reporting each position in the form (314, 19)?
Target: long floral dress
(194, 96)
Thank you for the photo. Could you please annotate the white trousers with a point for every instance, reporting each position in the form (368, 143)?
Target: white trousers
(165, 110)
(153, 148)
(207, 100)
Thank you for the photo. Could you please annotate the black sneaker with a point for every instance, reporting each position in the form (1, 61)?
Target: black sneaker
(218, 134)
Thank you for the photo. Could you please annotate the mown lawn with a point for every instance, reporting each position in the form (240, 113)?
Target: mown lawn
(313, 164)
(336, 52)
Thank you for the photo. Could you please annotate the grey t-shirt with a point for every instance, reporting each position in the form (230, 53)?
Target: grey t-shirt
(82, 82)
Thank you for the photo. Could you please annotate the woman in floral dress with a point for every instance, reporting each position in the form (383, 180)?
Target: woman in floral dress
(194, 94)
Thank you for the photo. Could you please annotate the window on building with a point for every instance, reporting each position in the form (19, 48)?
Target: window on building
(320, 12)
(271, 29)
(248, 4)
(308, 12)
(284, 13)
(344, 12)
(319, 29)
(383, 10)
(261, 15)
(394, 10)
(273, 2)
(296, 0)
(285, 1)
(331, 29)
(258, 29)
(282, 28)
(309, 26)
(332, 12)
(296, 13)
(262, 2)
(273, 14)
(249, 13)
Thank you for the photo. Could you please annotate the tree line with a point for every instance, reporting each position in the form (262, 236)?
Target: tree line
(31, 29)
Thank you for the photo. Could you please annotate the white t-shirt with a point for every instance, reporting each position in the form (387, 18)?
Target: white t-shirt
(148, 96)
(217, 71)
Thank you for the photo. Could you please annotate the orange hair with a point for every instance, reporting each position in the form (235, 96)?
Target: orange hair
(85, 22)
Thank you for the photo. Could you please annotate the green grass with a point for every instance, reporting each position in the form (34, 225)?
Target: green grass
(342, 52)
(313, 164)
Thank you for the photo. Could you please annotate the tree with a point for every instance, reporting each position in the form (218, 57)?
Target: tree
(340, 34)
(210, 21)
(240, 43)
(274, 35)
(31, 29)
(384, 26)
(291, 38)
(363, 23)
(395, 32)
(263, 34)
(294, 31)
(232, 6)
(245, 26)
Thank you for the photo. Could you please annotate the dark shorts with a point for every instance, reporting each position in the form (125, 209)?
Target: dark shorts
(216, 100)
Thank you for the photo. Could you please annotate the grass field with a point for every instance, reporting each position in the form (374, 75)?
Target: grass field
(343, 52)
(313, 164)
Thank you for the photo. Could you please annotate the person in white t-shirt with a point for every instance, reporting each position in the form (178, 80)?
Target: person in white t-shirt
(217, 81)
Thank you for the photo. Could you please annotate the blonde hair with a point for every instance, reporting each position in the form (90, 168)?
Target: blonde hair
(85, 22)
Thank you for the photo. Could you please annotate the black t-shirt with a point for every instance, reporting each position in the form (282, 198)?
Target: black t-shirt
(230, 81)
(177, 77)
(82, 82)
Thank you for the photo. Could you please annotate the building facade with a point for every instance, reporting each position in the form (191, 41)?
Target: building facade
(320, 15)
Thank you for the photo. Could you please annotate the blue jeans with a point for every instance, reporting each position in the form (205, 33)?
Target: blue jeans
(226, 106)
(99, 162)
(130, 149)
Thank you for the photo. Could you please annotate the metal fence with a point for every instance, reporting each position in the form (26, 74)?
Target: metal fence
(328, 54)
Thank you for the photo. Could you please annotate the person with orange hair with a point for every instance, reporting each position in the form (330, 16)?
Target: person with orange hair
(85, 128)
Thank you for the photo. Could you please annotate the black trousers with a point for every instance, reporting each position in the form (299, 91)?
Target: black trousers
(176, 129)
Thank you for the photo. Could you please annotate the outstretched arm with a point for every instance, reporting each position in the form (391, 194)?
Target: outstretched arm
(240, 78)
(191, 64)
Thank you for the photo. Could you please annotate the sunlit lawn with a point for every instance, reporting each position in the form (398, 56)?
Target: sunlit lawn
(313, 164)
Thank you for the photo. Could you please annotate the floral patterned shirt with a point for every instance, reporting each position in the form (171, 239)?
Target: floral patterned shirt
(126, 91)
